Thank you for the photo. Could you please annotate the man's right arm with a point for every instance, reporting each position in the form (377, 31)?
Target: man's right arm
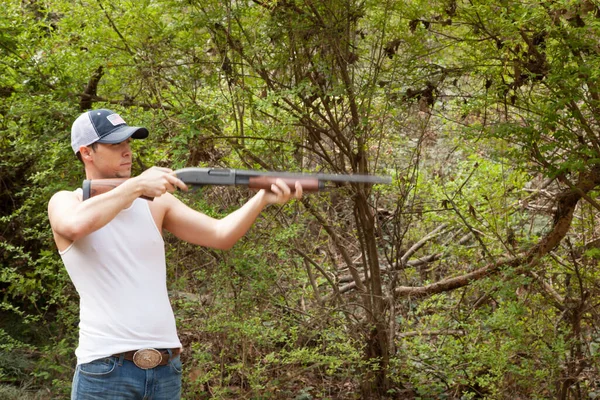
(71, 218)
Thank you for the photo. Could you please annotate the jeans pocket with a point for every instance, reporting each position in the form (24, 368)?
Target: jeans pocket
(176, 364)
(102, 366)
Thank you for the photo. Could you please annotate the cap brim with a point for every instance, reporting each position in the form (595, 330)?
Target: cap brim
(123, 133)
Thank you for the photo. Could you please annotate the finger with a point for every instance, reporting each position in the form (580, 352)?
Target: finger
(176, 182)
(298, 192)
(285, 189)
(275, 190)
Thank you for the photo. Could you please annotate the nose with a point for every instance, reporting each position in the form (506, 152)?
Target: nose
(126, 148)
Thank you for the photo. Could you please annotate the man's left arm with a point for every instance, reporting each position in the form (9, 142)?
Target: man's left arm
(198, 228)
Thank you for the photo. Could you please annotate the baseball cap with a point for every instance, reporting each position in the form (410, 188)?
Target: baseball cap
(102, 126)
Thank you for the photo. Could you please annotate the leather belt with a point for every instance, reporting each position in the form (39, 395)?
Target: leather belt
(149, 358)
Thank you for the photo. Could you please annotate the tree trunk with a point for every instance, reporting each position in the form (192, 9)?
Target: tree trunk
(376, 380)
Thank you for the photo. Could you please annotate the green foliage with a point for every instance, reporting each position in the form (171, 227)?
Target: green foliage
(497, 351)
(469, 105)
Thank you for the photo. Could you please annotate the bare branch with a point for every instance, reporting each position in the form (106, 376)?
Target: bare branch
(415, 247)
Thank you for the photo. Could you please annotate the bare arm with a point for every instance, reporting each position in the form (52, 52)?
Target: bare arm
(71, 218)
(198, 228)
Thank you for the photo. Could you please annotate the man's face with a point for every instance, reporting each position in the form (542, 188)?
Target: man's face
(113, 160)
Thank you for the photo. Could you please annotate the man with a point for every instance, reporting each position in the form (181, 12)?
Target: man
(113, 250)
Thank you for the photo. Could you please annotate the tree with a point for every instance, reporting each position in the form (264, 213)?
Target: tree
(472, 275)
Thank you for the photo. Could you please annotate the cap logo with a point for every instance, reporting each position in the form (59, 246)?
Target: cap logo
(115, 119)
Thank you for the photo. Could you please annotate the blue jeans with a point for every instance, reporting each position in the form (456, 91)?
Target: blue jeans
(114, 378)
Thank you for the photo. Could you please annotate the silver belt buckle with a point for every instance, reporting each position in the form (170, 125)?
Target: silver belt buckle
(147, 358)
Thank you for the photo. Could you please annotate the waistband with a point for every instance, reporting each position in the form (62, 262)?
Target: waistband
(149, 358)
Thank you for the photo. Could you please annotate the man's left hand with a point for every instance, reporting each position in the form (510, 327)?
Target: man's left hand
(281, 193)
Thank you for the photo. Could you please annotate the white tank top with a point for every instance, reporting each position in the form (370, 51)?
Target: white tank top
(119, 272)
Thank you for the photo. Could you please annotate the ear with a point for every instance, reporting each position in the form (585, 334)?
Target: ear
(86, 152)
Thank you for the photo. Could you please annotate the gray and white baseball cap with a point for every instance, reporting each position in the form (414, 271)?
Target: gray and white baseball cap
(102, 126)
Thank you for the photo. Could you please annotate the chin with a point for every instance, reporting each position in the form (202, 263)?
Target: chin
(123, 174)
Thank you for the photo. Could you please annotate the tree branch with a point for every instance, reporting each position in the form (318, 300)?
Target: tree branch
(566, 204)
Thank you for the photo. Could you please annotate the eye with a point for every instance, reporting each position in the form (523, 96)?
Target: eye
(121, 143)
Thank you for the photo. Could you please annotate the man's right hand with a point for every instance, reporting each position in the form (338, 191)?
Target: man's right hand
(156, 181)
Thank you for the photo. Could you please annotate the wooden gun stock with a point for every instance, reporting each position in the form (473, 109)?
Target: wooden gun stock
(95, 187)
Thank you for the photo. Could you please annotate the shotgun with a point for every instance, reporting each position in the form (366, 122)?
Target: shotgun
(198, 177)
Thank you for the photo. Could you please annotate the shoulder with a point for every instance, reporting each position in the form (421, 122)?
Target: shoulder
(167, 200)
(163, 206)
(65, 197)
(166, 203)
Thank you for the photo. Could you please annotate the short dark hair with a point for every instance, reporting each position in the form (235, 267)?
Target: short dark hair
(93, 146)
